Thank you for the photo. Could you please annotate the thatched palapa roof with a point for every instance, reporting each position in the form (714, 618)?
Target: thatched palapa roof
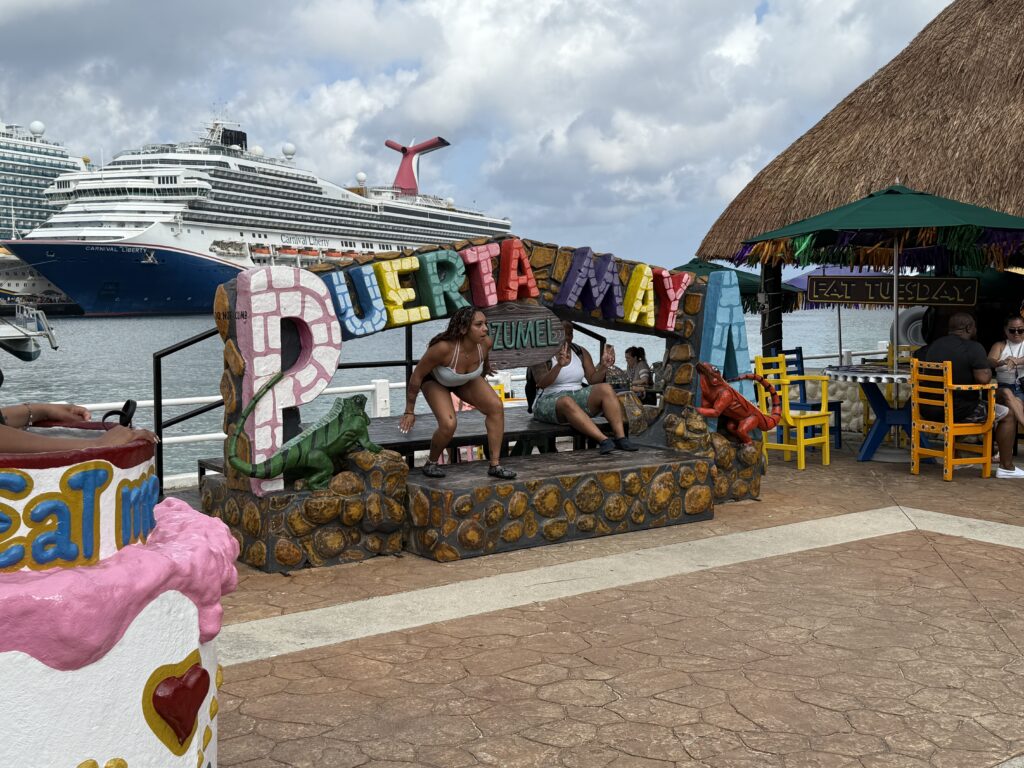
(946, 116)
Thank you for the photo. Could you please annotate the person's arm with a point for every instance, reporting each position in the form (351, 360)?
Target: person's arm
(596, 374)
(641, 379)
(981, 366)
(26, 414)
(994, 353)
(14, 440)
(544, 374)
(432, 357)
(643, 375)
(488, 369)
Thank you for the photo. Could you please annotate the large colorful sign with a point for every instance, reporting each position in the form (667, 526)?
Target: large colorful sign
(519, 285)
(371, 297)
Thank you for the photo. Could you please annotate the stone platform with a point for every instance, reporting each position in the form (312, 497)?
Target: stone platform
(560, 497)
(360, 515)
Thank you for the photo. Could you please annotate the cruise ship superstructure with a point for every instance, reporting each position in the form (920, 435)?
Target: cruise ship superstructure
(29, 164)
(157, 229)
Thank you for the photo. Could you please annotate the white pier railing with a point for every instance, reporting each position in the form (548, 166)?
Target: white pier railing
(378, 392)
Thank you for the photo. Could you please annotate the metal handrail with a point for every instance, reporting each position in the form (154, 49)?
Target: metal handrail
(159, 425)
(158, 393)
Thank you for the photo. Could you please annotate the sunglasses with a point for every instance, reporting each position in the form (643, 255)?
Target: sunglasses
(1015, 330)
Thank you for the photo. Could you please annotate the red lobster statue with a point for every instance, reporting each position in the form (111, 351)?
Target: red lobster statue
(738, 414)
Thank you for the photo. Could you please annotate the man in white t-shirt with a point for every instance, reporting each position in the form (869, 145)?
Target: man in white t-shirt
(563, 398)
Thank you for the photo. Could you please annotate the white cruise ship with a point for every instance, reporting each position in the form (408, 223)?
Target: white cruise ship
(157, 229)
(28, 165)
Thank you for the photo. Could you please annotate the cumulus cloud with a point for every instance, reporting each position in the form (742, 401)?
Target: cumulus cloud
(584, 121)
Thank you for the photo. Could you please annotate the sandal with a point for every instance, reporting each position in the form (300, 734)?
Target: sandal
(432, 469)
(496, 470)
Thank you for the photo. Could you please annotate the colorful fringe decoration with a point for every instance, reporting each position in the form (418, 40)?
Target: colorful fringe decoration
(967, 247)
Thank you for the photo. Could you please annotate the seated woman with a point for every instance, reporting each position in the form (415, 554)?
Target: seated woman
(1007, 357)
(563, 399)
(14, 419)
(640, 378)
(456, 361)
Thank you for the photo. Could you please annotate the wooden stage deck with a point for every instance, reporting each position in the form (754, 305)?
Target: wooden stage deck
(519, 423)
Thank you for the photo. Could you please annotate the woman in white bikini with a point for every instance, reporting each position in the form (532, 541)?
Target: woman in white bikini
(456, 361)
(1007, 357)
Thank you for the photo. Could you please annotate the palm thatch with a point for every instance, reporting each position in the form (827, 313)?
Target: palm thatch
(946, 116)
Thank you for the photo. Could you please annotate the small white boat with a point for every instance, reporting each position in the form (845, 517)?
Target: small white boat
(20, 334)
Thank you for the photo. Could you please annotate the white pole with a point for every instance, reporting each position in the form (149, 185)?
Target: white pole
(895, 302)
(381, 397)
(895, 328)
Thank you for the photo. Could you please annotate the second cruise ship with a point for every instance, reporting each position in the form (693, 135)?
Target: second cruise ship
(28, 165)
(157, 229)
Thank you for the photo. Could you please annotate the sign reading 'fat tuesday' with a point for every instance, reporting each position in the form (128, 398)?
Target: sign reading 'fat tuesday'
(928, 291)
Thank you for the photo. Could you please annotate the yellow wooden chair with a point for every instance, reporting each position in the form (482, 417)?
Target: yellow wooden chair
(773, 369)
(932, 384)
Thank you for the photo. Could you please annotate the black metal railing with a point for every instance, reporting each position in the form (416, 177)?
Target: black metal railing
(159, 424)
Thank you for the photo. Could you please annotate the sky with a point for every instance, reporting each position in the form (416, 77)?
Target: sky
(624, 125)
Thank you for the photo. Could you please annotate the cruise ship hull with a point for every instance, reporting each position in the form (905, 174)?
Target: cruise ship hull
(107, 279)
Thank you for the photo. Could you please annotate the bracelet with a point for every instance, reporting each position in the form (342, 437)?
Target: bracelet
(408, 413)
(29, 409)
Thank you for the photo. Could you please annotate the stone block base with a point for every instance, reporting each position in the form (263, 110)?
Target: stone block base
(565, 496)
(737, 468)
(360, 515)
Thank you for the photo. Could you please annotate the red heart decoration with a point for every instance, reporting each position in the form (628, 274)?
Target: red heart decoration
(178, 699)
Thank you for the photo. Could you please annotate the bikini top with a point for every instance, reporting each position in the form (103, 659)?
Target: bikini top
(447, 376)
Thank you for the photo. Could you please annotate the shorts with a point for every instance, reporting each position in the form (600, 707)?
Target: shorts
(544, 406)
(981, 413)
(1015, 388)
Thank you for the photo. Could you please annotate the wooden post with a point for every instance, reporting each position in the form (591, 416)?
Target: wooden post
(771, 311)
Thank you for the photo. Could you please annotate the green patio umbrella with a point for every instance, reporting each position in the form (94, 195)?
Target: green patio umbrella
(894, 228)
(749, 282)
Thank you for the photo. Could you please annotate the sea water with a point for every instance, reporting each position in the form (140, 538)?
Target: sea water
(103, 360)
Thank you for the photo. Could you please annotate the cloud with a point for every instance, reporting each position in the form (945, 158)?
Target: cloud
(585, 121)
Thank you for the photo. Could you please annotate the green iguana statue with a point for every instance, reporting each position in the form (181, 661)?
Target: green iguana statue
(312, 451)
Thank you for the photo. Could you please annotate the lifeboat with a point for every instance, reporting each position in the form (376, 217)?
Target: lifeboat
(287, 250)
(262, 250)
(312, 253)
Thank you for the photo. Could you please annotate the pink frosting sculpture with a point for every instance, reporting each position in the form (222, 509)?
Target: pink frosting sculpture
(86, 610)
(110, 602)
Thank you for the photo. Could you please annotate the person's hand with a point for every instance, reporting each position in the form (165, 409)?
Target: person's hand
(608, 356)
(62, 412)
(564, 355)
(490, 370)
(119, 435)
(408, 419)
